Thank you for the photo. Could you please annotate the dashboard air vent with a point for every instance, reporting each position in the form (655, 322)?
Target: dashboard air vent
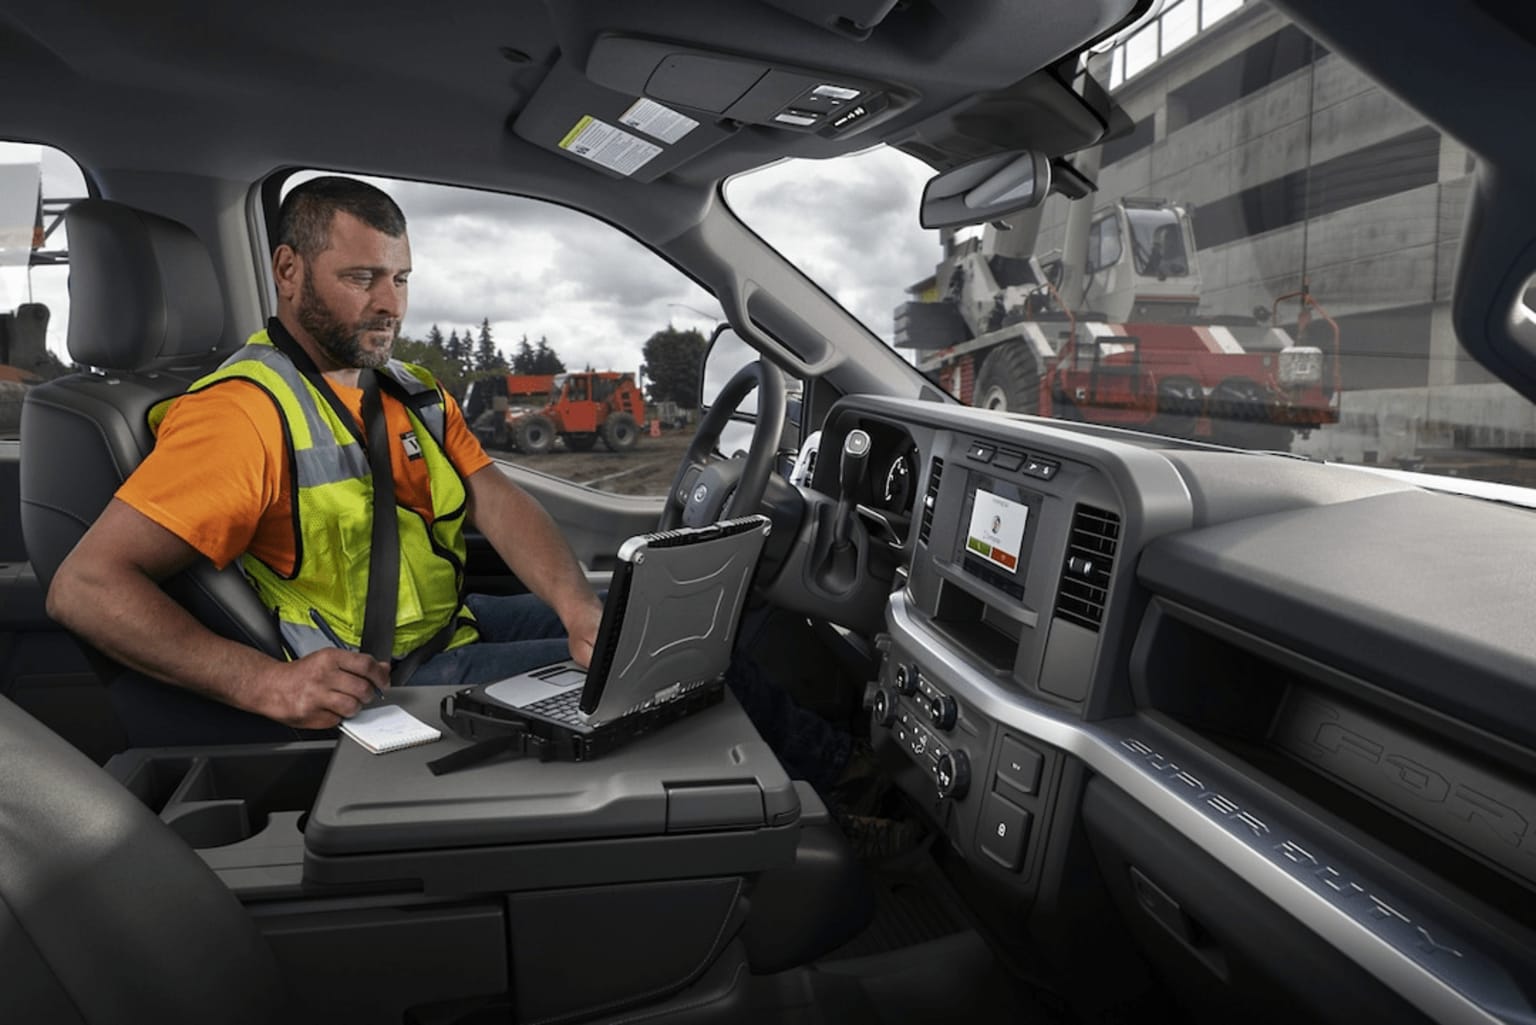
(1090, 557)
(931, 499)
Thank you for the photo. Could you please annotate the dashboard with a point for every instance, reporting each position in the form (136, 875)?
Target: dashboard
(1266, 724)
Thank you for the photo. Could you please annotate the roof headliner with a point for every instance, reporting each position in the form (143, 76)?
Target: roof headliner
(235, 91)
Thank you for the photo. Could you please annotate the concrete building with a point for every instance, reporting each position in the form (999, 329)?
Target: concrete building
(1299, 169)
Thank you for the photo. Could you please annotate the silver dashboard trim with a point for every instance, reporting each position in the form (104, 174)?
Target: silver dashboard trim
(1433, 966)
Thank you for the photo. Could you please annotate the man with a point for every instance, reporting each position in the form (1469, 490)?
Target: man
(266, 461)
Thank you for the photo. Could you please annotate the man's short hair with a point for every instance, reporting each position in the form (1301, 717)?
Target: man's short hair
(304, 220)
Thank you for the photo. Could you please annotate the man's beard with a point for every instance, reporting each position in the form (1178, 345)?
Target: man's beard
(343, 343)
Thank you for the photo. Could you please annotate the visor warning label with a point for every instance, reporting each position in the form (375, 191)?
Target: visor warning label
(608, 146)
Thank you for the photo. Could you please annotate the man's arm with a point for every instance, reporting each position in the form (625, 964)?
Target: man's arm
(532, 546)
(107, 591)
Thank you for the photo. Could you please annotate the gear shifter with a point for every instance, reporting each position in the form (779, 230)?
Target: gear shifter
(851, 468)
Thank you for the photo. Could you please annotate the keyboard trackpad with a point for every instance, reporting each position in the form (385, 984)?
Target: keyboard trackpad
(520, 691)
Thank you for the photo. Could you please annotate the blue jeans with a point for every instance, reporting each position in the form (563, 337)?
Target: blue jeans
(519, 633)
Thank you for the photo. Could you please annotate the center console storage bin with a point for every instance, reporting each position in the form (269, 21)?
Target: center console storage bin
(703, 797)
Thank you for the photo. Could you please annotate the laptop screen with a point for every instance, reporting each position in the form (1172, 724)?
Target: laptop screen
(607, 636)
(671, 613)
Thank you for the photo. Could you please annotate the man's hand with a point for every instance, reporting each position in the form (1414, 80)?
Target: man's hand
(319, 690)
(581, 624)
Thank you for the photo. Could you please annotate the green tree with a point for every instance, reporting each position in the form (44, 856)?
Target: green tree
(545, 360)
(486, 356)
(522, 362)
(457, 351)
(435, 358)
(673, 364)
(435, 337)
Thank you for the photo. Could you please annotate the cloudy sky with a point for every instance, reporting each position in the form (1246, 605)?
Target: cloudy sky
(536, 269)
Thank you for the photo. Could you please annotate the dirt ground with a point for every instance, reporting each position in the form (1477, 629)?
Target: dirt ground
(646, 470)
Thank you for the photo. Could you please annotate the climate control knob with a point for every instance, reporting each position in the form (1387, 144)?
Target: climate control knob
(883, 708)
(953, 775)
(942, 712)
(906, 679)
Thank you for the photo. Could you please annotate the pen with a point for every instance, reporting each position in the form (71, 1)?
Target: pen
(330, 635)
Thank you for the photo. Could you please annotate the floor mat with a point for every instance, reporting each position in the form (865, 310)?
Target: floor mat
(913, 904)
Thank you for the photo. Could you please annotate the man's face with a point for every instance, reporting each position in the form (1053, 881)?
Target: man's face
(352, 296)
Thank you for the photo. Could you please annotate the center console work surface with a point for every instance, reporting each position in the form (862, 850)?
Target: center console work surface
(703, 796)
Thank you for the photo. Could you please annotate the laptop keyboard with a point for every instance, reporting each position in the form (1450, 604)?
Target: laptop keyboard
(563, 707)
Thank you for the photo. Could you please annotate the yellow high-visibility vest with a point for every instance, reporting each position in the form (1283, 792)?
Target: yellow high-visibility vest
(333, 513)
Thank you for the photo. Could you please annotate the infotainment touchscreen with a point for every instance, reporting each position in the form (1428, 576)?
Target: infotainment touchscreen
(996, 527)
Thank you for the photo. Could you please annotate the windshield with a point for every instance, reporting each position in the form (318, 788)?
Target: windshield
(1267, 262)
(1157, 241)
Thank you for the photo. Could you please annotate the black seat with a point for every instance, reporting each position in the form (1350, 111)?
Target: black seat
(146, 317)
(106, 916)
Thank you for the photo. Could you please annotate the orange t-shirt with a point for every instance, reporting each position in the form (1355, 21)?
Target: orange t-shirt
(219, 476)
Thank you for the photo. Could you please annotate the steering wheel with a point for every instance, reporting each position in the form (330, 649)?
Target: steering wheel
(708, 488)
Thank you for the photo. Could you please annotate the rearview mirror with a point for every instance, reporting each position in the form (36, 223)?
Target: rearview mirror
(986, 189)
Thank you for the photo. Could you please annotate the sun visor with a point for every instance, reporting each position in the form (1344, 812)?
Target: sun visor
(745, 89)
(620, 134)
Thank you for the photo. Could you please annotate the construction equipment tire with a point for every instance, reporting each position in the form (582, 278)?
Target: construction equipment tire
(491, 428)
(1009, 380)
(534, 435)
(1180, 404)
(1240, 417)
(620, 432)
(579, 442)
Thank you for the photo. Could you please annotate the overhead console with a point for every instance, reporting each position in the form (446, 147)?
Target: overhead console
(742, 89)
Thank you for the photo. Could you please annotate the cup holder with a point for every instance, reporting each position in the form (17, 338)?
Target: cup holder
(218, 797)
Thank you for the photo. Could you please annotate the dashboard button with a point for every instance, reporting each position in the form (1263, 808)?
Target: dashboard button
(980, 453)
(952, 773)
(884, 708)
(1004, 831)
(942, 712)
(1008, 460)
(1019, 766)
(1042, 468)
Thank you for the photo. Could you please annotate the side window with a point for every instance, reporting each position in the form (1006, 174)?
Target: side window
(37, 183)
(1104, 243)
(573, 349)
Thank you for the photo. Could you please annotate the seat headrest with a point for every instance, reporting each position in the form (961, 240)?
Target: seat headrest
(142, 288)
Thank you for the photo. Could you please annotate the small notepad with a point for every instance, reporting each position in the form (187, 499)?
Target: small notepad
(385, 728)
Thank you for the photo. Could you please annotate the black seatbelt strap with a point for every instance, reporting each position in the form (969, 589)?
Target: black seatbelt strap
(384, 554)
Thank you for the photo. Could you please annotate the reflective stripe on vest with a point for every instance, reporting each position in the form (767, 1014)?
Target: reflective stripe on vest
(333, 494)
